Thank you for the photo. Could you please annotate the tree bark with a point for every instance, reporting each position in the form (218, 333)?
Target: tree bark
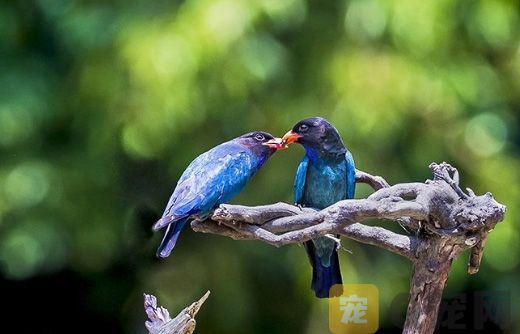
(429, 275)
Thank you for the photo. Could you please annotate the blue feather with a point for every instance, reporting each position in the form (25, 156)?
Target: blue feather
(351, 175)
(170, 238)
(299, 180)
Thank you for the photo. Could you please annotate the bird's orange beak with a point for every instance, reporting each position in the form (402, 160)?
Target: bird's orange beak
(275, 143)
(289, 138)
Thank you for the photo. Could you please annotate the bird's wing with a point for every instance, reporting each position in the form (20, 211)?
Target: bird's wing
(211, 179)
(351, 175)
(299, 180)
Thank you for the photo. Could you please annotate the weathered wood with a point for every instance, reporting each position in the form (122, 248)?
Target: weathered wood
(159, 318)
(444, 218)
(476, 255)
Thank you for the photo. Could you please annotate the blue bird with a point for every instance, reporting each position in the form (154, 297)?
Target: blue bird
(213, 178)
(325, 176)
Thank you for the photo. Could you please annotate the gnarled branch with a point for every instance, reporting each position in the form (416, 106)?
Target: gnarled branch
(241, 222)
(446, 221)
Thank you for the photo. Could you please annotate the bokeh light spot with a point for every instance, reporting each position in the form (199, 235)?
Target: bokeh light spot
(31, 247)
(486, 134)
(495, 21)
(172, 57)
(262, 57)
(27, 184)
(21, 253)
(365, 19)
(226, 20)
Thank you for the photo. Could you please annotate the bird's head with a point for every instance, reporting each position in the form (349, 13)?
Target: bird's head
(261, 143)
(315, 133)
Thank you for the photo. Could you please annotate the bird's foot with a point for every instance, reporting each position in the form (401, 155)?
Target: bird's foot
(333, 238)
(299, 206)
(338, 243)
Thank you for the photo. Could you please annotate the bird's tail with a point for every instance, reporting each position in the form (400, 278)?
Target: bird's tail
(170, 238)
(324, 277)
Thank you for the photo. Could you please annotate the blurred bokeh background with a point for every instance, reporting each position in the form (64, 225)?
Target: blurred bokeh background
(104, 103)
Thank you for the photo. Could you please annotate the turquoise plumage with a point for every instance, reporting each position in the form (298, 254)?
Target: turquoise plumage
(325, 175)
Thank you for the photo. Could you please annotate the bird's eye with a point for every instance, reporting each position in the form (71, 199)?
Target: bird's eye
(303, 128)
(259, 137)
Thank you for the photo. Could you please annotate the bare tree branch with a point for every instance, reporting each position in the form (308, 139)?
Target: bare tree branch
(243, 223)
(376, 182)
(446, 221)
(159, 318)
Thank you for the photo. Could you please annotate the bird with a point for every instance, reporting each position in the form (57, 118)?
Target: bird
(213, 178)
(325, 175)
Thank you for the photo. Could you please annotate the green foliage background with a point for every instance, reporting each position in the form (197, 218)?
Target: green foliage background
(104, 103)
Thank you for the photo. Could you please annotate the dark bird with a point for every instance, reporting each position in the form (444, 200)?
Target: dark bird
(325, 176)
(213, 178)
